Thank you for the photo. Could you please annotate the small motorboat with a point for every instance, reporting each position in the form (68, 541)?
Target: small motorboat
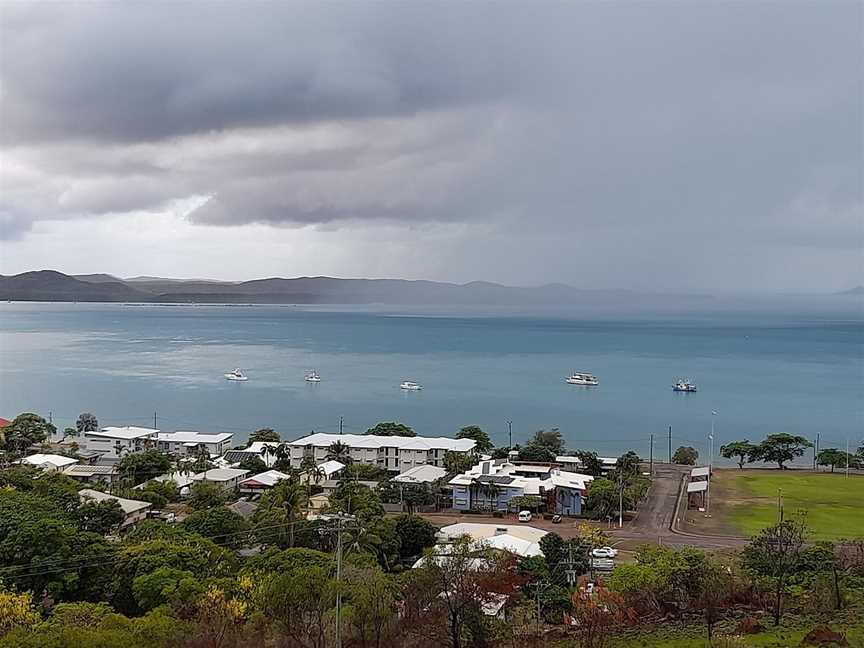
(407, 385)
(313, 377)
(683, 386)
(236, 375)
(581, 378)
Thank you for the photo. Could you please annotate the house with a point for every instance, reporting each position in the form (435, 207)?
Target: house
(329, 470)
(181, 479)
(262, 481)
(393, 453)
(243, 507)
(92, 474)
(48, 461)
(424, 474)
(114, 442)
(133, 510)
(318, 503)
(227, 478)
(263, 450)
(521, 540)
(192, 443)
(491, 484)
(574, 464)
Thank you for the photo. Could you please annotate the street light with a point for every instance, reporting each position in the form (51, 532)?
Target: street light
(710, 464)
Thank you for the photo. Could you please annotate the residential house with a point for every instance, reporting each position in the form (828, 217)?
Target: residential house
(133, 510)
(227, 478)
(574, 464)
(48, 461)
(262, 481)
(263, 450)
(424, 474)
(181, 479)
(115, 442)
(491, 485)
(192, 443)
(392, 453)
(518, 539)
(92, 474)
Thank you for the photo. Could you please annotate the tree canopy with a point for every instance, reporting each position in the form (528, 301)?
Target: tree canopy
(836, 459)
(781, 448)
(685, 456)
(391, 428)
(86, 422)
(484, 444)
(143, 466)
(744, 450)
(24, 431)
(264, 434)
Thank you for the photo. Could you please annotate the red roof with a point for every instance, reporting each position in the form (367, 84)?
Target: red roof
(4, 422)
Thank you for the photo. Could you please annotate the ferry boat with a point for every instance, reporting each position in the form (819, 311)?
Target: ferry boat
(313, 377)
(407, 385)
(236, 375)
(581, 378)
(683, 386)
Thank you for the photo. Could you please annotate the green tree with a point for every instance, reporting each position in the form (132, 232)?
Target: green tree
(834, 458)
(139, 467)
(457, 462)
(391, 428)
(86, 422)
(301, 604)
(744, 450)
(161, 585)
(340, 452)
(415, 534)
(364, 472)
(371, 613)
(356, 499)
(278, 512)
(264, 434)
(221, 524)
(782, 447)
(204, 495)
(626, 466)
(591, 463)
(254, 465)
(484, 444)
(685, 456)
(536, 452)
(16, 611)
(167, 489)
(604, 497)
(26, 430)
(564, 555)
(100, 517)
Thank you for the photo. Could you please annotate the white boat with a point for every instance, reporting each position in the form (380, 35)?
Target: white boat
(407, 385)
(683, 386)
(581, 378)
(236, 375)
(313, 376)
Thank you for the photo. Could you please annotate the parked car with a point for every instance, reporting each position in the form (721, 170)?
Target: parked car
(604, 552)
(556, 519)
(524, 516)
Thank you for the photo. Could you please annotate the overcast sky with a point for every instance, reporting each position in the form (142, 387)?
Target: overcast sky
(652, 145)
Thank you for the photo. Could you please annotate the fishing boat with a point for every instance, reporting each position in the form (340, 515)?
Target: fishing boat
(683, 385)
(236, 375)
(407, 385)
(313, 377)
(581, 378)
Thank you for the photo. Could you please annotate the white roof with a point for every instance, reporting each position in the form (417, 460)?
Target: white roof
(58, 461)
(81, 470)
(370, 441)
(179, 478)
(220, 474)
(258, 446)
(129, 506)
(701, 471)
(518, 546)
(268, 478)
(126, 432)
(548, 478)
(606, 461)
(194, 437)
(478, 531)
(423, 474)
(695, 487)
(331, 467)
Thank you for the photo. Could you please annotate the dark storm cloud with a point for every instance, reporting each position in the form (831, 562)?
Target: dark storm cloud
(669, 128)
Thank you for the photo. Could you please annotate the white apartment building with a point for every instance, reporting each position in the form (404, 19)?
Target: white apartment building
(184, 443)
(115, 442)
(396, 454)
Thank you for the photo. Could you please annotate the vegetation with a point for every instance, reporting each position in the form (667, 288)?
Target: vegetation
(837, 458)
(685, 456)
(268, 435)
(139, 467)
(391, 428)
(457, 462)
(25, 430)
(86, 422)
(743, 450)
(484, 443)
(543, 447)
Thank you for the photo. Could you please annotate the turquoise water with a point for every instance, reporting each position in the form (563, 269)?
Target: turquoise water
(761, 374)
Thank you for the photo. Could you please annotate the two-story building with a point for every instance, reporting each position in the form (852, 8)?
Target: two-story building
(491, 484)
(134, 511)
(192, 443)
(392, 453)
(227, 478)
(115, 442)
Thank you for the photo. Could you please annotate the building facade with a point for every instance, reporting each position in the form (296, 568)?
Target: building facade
(394, 454)
(115, 442)
(192, 443)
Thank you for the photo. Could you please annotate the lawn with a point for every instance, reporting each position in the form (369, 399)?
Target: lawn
(834, 504)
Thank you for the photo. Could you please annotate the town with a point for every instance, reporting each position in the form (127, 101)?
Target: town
(392, 538)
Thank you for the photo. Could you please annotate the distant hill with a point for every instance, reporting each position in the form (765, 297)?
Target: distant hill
(49, 285)
(857, 290)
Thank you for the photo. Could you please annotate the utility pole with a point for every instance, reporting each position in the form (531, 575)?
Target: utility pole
(509, 435)
(539, 586)
(651, 460)
(670, 444)
(847, 457)
(154, 421)
(51, 417)
(620, 502)
(816, 450)
(340, 425)
(340, 518)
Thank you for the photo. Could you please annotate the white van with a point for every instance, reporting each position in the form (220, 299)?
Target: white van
(524, 516)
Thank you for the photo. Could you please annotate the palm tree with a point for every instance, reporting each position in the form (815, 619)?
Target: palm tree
(340, 452)
(285, 499)
(269, 452)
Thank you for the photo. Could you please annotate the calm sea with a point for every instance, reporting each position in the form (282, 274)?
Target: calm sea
(125, 362)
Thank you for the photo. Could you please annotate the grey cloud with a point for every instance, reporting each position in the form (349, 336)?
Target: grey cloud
(686, 129)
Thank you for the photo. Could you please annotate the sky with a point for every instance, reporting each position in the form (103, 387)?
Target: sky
(658, 146)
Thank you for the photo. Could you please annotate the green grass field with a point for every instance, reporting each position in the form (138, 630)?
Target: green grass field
(834, 505)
